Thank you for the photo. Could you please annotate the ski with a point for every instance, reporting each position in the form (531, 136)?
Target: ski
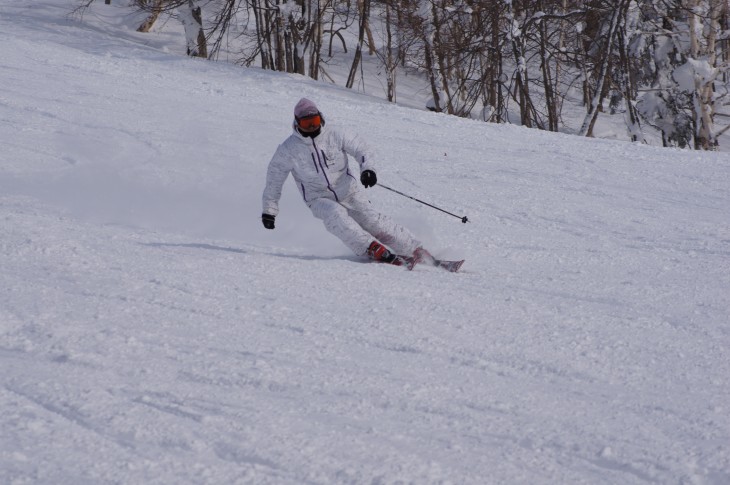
(423, 256)
(410, 262)
(406, 261)
(450, 266)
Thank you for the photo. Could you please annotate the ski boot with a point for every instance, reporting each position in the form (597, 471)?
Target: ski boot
(380, 253)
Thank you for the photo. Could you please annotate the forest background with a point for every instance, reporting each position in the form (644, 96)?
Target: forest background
(662, 65)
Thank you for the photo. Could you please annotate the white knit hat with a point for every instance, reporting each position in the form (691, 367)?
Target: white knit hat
(305, 108)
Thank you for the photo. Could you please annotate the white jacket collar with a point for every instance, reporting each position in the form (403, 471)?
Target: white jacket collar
(305, 138)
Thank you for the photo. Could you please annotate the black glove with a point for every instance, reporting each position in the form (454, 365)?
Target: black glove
(268, 220)
(368, 178)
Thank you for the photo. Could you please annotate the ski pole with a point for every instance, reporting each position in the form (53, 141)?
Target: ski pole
(464, 219)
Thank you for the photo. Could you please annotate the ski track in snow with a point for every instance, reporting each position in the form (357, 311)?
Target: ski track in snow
(151, 331)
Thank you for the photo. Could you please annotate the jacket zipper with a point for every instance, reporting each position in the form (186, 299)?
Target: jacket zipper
(329, 186)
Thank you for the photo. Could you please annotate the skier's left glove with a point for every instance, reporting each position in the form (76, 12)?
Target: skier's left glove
(368, 178)
(268, 220)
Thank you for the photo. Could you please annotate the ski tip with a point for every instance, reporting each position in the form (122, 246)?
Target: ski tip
(451, 266)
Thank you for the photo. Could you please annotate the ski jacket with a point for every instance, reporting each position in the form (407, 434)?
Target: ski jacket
(319, 165)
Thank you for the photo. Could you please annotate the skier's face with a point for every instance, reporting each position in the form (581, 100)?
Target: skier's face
(310, 124)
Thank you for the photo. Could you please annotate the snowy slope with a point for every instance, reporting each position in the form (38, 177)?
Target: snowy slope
(151, 331)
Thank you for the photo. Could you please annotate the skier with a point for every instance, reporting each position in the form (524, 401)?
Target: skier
(317, 157)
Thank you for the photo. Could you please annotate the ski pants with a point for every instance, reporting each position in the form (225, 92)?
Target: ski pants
(357, 224)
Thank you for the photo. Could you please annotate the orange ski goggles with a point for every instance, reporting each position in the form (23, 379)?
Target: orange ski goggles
(311, 122)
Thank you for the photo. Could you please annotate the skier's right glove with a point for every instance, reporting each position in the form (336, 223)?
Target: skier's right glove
(268, 220)
(368, 178)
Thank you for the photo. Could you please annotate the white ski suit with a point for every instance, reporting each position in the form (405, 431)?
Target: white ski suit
(320, 167)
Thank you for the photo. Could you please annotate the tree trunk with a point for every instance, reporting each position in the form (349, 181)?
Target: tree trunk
(280, 45)
(296, 46)
(522, 85)
(550, 98)
(261, 35)
(496, 88)
(150, 21)
(193, 22)
(315, 51)
(703, 112)
(590, 119)
(364, 8)
(390, 62)
(627, 87)
(440, 53)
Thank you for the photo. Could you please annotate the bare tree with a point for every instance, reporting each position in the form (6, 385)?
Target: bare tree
(389, 59)
(658, 62)
(364, 11)
(192, 20)
(618, 13)
(703, 34)
(155, 11)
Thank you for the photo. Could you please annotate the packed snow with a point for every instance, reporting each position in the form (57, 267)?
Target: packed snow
(152, 331)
